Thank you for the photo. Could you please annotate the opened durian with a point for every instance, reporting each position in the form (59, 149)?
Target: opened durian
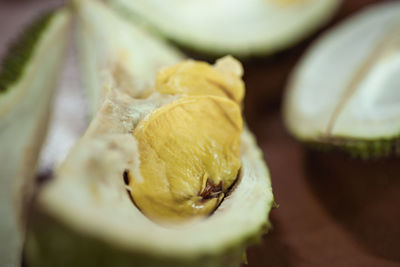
(241, 28)
(165, 175)
(345, 92)
(27, 82)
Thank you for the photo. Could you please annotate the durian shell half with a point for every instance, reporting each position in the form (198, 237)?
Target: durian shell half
(241, 28)
(344, 93)
(24, 114)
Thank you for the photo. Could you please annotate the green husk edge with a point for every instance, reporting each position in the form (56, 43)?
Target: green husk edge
(21, 50)
(50, 242)
(359, 148)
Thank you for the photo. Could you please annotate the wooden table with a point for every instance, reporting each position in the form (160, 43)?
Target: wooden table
(333, 210)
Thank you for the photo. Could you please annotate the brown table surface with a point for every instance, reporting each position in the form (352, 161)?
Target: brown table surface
(333, 210)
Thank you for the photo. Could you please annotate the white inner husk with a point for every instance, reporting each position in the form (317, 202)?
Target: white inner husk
(225, 26)
(347, 84)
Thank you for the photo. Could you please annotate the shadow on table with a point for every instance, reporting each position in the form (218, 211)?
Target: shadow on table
(362, 196)
(272, 251)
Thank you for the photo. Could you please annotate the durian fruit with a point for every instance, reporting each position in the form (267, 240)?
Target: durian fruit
(27, 82)
(169, 178)
(106, 42)
(240, 28)
(345, 92)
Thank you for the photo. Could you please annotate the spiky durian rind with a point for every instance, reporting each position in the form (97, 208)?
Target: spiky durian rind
(21, 49)
(25, 105)
(52, 241)
(358, 148)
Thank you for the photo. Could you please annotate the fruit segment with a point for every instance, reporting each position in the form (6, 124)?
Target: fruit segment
(199, 78)
(187, 163)
(155, 181)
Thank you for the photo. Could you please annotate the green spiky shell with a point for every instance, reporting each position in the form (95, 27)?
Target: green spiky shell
(29, 78)
(321, 133)
(21, 50)
(52, 241)
(358, 148)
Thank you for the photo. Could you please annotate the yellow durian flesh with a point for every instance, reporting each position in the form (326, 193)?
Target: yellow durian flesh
(189, 157)
(199, 78)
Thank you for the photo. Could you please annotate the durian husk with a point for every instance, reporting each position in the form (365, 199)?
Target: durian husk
(240, 28)
(336, 72)
(24, 114)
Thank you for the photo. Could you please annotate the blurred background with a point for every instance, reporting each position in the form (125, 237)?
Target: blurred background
(333, 210)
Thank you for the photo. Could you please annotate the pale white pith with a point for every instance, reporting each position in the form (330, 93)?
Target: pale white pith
(24, 111)
(129, 45)
(238, 27)
(88, 194)
(347, 84)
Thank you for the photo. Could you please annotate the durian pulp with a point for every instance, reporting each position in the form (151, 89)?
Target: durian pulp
(189, 149)
(199, 78)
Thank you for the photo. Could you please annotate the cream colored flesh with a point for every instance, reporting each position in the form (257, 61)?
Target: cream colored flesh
(199, 78)
(244, 28)
(188, 164)
(347, 84)
(181, 153)
(24, 113)
(132, 56)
